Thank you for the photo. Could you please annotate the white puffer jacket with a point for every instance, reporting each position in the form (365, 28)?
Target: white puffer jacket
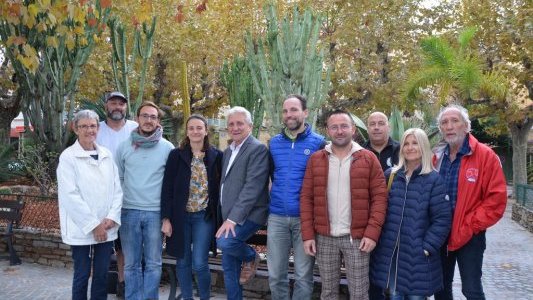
(88, 191)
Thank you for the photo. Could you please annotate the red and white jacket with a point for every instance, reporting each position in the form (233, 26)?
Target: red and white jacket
(481, 195)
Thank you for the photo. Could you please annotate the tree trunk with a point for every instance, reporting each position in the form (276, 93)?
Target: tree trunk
(10, 107)
(519, 136)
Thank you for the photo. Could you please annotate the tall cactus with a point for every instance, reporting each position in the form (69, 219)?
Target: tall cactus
(237, 79)
(123, 62)
(288, 60)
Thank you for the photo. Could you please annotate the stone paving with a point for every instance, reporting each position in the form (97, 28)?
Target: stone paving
(508, 271)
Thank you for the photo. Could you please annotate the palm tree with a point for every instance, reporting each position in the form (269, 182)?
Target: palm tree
(459, 75)
(456, 71)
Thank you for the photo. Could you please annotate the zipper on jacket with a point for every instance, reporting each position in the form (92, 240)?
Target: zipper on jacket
(397, 245)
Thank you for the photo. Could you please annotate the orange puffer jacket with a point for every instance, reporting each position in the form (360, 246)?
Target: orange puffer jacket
(368, 190)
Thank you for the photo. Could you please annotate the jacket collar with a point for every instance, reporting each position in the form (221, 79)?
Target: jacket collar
(80, 152)
(355, 147)
(301, 135)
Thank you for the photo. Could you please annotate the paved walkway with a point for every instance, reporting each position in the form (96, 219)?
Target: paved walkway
(508, 271)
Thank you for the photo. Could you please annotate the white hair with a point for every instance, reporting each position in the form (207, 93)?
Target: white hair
(240, 110)
(462, 111)
(85, 114)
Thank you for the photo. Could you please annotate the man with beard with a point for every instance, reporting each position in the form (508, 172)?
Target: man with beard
(113, 131)
(476, 188)
(141, 161)
(290, 151)
(342, 208)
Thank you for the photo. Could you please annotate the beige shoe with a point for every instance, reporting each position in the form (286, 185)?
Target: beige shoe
(248, 270)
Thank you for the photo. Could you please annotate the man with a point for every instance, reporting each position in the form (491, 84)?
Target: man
(141, 161)
(113, 131)
(243, 200)
(342, 204)
(477, 190)
(386, 150)
(379, 142)
(290, 151)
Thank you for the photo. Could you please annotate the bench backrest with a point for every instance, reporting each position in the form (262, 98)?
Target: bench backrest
(11, 210)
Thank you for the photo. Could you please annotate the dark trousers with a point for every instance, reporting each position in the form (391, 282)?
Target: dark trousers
(97, 256)
(470, 261)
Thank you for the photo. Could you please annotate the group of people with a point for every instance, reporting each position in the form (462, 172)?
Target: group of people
(397, 215)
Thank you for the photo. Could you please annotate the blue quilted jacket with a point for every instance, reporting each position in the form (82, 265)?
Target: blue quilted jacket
(418, 219)
(289, 161)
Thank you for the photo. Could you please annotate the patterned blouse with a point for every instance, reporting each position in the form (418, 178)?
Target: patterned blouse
(198, 195)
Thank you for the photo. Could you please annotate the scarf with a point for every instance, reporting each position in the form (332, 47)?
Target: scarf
(138, 140)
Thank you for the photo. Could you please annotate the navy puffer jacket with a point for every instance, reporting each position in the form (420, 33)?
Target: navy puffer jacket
(418, 219)
(289, 158)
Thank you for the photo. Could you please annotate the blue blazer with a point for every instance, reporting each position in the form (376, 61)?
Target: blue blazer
(418, 219)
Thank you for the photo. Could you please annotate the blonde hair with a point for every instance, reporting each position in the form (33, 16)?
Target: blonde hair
(425, 150)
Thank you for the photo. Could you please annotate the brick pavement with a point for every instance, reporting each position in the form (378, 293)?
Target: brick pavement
(508, 270)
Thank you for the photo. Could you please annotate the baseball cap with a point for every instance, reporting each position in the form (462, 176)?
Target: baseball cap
(116, 95)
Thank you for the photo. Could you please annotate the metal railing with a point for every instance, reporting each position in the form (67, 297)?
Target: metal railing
(40, 213)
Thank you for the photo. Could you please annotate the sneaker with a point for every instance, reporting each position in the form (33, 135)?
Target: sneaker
(120, 289)
(248, 270)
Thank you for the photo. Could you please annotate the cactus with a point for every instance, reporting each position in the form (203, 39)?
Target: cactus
(288, 61)
(396, 124)
(123, 63)
(237, 79)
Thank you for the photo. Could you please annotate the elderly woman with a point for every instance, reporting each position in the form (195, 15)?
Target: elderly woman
(90, 199)
(406, 263)
(189, 201)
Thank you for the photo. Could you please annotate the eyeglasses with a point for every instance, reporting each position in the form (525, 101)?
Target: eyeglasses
(85, 127)
(149, 117)
(342, 127)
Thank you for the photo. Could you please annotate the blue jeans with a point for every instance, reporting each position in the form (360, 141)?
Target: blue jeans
(97, 256)
(470, 261)
(234, 252)
(197, 233)
(284, 232)
(141, 237)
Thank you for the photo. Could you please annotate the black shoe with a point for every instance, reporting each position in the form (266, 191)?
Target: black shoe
(120, 289)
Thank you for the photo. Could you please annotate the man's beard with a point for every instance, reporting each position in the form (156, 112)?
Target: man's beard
(296, 125)
(115, 115)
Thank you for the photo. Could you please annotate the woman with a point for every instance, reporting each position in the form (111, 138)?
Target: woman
(90, 199)
(406, 262)
(189, 200)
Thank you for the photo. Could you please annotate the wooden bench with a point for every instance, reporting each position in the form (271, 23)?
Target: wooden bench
(11, 212)
(215, 264)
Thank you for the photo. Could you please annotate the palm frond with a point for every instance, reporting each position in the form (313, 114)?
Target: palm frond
(437, 52)
(466, 36)
(424, 78)
(494, 84)
(467, 74)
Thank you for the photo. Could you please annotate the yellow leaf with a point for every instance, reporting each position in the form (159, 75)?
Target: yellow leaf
(70, 42)
(52, 18)
(33, 10)
(83, 41)
(45, 4)
(51, 41)
(41, 26)
(61, 29)
(79, 15)
(79, 30)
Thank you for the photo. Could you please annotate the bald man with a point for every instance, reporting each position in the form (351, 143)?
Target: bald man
(386, 149)
(379, 142)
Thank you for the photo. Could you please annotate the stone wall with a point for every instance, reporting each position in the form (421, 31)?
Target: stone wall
(42, 248)
(523, 216)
